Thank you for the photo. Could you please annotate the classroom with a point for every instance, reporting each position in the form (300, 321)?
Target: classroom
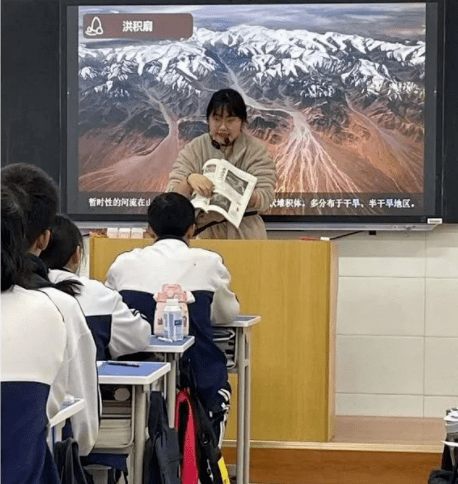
(308, 156)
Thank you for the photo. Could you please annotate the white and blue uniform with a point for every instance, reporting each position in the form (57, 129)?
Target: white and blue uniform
(79, 376)
(116, 329)
(141, 273)
(33, 360)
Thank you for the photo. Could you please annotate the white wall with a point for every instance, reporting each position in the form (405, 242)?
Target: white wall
(397, 323)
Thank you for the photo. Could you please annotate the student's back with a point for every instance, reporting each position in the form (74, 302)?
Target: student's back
(141, 273)
(32, 356)
(38, 196)
(81, 375)
(33, 347)
(117, 331)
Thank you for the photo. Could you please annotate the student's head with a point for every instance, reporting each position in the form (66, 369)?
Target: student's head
(66, 245)
(15, 266)
(226, 116)
(39, 204)
(171, 214)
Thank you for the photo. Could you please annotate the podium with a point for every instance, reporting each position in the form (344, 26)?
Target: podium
(292, 285)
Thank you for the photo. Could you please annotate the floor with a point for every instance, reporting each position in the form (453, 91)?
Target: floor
(365, 450)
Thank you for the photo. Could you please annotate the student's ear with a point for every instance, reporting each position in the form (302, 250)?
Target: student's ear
(190, 232)
(76, 257)
(41, 242)
(151, 232)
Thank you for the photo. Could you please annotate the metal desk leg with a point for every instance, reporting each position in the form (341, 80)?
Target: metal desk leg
(171, 379)
(247, 416)
(139, 431)
(240, 406)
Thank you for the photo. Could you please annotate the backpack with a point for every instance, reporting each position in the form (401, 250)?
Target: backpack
(202, 458)
(68, 463)
(161, 461)
(185, 421)
(441, 476)
(448, 473)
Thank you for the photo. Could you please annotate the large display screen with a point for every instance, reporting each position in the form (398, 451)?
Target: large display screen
(344, 95)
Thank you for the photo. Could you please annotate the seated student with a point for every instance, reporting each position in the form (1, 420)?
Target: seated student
(140, 273)
(38, 196)
(116, 329)
(33, 357)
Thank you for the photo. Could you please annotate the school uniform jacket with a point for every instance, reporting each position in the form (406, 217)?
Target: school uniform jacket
(141, 273)
(116, 329)
(33, 357)
(81, 379)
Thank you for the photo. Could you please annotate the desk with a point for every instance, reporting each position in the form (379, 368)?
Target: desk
(172, 351)
(140, 376)
(242, 326)
(68, 409)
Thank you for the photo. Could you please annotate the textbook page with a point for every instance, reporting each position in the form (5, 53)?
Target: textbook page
(232, 190)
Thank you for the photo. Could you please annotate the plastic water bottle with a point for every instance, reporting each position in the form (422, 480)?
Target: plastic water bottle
(173, 320)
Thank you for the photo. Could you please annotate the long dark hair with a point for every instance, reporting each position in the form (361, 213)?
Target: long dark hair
(16, 267)
(65, 239)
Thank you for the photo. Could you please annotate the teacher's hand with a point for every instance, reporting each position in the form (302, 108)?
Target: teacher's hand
(200, 184)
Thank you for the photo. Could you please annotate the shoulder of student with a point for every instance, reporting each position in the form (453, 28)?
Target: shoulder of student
(209, 256)
(35, 332)
(126, 258)
(70, 310)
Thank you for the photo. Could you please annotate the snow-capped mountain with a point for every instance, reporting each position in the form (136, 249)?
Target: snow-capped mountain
(258, 56)
(311, 97)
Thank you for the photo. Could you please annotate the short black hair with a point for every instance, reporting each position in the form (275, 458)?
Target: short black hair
(170, 214)
(229, 100)
(65, 239)
(15, 266)
(41, 202)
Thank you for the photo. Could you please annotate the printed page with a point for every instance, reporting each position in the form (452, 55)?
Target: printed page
(232, 192)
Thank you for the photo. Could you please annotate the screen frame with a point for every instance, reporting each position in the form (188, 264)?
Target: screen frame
(433, 147)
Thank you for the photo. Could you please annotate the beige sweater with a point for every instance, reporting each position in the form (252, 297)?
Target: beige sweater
(248, 154)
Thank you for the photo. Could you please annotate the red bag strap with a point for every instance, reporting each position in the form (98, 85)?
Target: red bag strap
(189, 468)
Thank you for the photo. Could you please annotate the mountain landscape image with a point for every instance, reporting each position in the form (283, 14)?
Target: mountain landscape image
(341, 113)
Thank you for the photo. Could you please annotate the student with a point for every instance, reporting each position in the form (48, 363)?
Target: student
(33, 357)
(116, 330)
(140, 273)
(38, 195)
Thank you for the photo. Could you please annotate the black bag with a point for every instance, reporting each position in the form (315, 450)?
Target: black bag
(441, 476)
(212, 469)
(210, 462)
(448, 473)
(67, 460)
(161, 462)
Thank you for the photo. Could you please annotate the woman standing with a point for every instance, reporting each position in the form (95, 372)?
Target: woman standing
(226, 139)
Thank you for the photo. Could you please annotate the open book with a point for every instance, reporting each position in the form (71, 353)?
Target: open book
(232, 192)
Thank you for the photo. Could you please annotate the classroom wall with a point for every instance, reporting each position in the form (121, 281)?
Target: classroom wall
(397, 323)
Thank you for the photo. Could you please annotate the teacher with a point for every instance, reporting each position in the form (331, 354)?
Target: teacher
(226, 139)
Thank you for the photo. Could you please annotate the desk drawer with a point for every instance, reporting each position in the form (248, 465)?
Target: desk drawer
(114, 433)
